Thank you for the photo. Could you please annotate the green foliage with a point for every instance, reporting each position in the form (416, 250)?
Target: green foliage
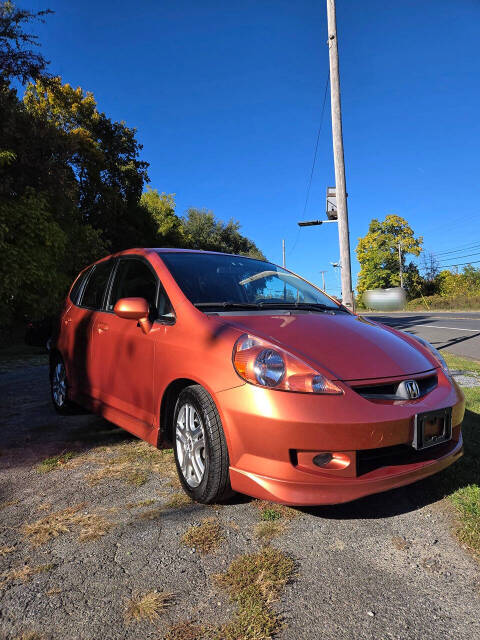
(160, 208)
(103, 157)
(72, 184)
(204, 231)
(377, 253)
(17, 57)
(30, 243)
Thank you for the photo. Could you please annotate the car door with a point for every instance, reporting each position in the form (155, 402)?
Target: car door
(77, 323)
(123, 355)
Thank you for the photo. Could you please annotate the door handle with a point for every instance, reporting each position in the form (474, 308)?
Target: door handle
(102, 327)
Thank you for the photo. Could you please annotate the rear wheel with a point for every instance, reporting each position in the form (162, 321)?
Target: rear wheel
(59, 387)
(200, 447)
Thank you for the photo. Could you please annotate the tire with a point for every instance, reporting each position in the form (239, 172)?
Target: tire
(59, 387)
(200, 447)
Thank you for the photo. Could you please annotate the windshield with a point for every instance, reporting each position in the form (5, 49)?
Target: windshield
(211, 280)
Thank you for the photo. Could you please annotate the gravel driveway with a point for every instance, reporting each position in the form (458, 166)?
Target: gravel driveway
(85, 534)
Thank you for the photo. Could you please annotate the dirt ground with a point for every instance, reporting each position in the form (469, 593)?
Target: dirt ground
(92, 526)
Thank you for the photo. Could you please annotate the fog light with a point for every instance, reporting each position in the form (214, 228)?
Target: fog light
(322, 459)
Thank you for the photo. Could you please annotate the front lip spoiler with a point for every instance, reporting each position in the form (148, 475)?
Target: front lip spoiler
(337, 490)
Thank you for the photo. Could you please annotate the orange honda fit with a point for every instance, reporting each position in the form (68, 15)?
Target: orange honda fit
(262, 383)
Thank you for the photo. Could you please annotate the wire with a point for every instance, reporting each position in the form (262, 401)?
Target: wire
(467, 255)
(475, 245)
(459, 264)
(316, 144)
(314, 159)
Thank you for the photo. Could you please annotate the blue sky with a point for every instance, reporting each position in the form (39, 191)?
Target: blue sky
(226, 96)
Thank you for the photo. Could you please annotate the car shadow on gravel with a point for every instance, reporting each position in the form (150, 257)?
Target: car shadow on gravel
(464, 472)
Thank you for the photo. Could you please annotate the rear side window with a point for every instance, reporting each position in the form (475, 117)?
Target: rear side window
(95, 287)
(77, 287)
(134, 279)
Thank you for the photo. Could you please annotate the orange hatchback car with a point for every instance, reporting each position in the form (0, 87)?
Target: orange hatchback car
(261, 382)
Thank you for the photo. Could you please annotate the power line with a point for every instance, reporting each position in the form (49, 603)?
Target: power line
(475, 245)
(467, 255)
(314, 158)
(316, 143)
(459, 264)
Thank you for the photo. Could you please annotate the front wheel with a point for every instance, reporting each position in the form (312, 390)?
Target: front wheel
(200, 447)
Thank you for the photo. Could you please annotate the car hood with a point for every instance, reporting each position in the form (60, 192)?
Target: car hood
(348, 347)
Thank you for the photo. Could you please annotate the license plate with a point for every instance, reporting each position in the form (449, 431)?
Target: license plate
(431, 428)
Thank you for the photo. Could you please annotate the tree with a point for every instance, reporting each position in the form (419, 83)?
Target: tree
(378, 255)
(102, 156)
(30, 244)
(204, 231)
(160, 210)
(18, 59)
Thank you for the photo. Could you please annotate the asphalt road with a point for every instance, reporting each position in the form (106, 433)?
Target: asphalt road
(458, 332)
(385, 567)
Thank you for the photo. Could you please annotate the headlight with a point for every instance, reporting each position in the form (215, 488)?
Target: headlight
(266, 365)
(435, 353)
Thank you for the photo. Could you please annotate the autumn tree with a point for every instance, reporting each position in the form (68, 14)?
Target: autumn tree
(103, 155)
(378, 254)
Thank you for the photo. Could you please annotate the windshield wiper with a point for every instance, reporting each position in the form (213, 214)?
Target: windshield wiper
(227, 305)
(307, 306)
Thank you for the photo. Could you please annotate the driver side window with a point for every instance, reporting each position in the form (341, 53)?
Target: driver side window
(133, 279)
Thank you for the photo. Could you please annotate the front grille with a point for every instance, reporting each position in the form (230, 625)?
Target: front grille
(371, 459)
(390, 390)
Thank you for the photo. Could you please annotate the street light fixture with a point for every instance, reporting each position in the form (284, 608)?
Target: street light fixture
(313, 223)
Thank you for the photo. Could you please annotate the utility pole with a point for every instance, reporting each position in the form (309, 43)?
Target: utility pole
(338, 158)
(283, 253)
(323, 279)
(400, 263)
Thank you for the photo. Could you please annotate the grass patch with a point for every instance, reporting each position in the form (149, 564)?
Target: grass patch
(148, 606)
(253, 581)
(457, 302)
(8, 503)
(204, 537)
(55, 462)
(151, 514)
(5, 550)
(267, 531)
(141, 503)
(271, 511)
(189, 631)
(177, 501)
(30, 635)
(132, 462)
(22, 574)
(461, 483)
(90, 526)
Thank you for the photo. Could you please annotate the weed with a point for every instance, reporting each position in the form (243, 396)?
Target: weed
(253, 581)
(178, 500)
(91, 525)
(266, 531)
(22, 574)
(204, 537)
(148, 606)
(55, 462)
(5, 550)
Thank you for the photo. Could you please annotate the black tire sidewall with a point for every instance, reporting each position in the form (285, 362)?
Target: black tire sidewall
(191, 395)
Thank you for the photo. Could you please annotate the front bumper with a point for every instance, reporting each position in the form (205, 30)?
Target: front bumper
(271, 433)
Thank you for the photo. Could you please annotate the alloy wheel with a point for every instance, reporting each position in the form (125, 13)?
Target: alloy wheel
(190, 443)
(59, 384)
